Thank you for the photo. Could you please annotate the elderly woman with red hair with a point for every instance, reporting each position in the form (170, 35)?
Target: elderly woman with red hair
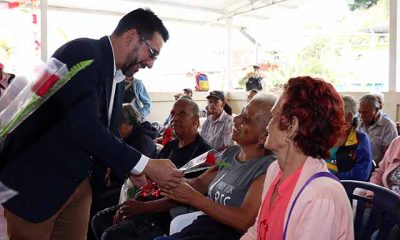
(301, 200)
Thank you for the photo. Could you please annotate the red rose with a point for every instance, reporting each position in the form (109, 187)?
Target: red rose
(210, 159)
(45, 82)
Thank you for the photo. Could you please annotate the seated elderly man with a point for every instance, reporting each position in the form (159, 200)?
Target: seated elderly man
(351, 156)
(187, 145)
(234, 187)
(380, 129)
(217, 129)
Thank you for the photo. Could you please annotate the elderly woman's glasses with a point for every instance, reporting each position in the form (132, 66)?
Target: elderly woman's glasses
(152, 52)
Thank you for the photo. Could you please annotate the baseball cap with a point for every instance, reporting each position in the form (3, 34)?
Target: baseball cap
(188, 90)
(217, 94)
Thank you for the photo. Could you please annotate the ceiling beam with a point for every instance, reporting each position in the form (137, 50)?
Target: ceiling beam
(121, 13)
(249, 8)
(179, 5)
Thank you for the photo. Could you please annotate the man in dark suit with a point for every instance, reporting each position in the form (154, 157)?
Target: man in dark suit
(49, 157)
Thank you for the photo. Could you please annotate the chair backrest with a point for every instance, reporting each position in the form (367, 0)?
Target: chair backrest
(157, 126)
(378, 212)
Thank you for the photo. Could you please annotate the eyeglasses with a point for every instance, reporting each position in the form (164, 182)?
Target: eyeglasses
(152, 52)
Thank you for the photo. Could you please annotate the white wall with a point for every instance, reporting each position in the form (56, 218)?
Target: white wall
(163, 101)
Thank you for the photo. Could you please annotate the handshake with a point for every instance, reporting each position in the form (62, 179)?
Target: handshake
(162, 171)
(167, 176)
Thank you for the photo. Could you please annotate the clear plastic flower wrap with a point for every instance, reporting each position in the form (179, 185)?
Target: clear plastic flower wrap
(201, 162)
(6, 193)
(23, 97)
(151, 190)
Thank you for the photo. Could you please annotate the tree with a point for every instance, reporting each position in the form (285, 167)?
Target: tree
(364, 4)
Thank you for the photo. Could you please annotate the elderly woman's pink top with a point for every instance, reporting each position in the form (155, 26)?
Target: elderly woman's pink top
(322, 211)
(272, 214)
(389, 163)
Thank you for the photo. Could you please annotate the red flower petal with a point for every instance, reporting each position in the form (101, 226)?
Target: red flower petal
(42, 86)
(210, 159)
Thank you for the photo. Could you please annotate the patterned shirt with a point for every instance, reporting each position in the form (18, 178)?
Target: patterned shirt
(218, 133)
(381, 134)
(394, 180)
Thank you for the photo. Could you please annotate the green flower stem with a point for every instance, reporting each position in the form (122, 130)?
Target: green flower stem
(33, 103)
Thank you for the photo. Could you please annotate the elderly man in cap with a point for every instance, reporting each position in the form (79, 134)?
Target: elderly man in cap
(217, 129)
(188, 92)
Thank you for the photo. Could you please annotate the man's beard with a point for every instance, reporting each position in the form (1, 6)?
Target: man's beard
(127, 71)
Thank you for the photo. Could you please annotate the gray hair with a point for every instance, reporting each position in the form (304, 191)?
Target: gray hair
(194, 107)
(350, 104)
(380, 97)
(371, 100)
(265, 98)
(130, 115)
(265, 102)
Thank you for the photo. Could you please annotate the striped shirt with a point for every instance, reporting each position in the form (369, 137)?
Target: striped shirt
(218, 133)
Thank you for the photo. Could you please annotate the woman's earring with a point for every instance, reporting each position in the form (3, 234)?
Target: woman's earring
(287, 139)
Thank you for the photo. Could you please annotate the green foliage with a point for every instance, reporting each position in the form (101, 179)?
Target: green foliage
(78, 67)
(5, 50)
(361, 4)
(337, 58)
(220, 164)
(71, 73)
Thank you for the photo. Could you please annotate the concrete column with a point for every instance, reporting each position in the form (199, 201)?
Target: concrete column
(43, 30)
(394, 47)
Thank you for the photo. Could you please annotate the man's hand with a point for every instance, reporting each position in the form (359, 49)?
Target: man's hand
(138, 180)
(163, 172)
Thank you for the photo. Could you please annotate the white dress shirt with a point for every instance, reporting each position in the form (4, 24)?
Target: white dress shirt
(119, 77)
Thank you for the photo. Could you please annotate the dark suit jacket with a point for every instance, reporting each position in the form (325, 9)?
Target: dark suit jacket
(52, 152)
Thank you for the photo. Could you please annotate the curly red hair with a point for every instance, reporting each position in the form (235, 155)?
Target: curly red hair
(319, 109)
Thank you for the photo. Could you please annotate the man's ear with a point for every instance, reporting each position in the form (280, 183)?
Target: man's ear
(196, 121)
(131, 35)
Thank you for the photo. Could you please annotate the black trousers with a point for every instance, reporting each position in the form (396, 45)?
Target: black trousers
(143, 226)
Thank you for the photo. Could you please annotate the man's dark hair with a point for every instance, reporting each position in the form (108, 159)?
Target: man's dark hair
(254, 91)
(144, 21)
(255, 67)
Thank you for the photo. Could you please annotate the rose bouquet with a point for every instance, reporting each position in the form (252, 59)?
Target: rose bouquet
(22, 97)
(147, 192)
(151, 190)
(201, 162)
